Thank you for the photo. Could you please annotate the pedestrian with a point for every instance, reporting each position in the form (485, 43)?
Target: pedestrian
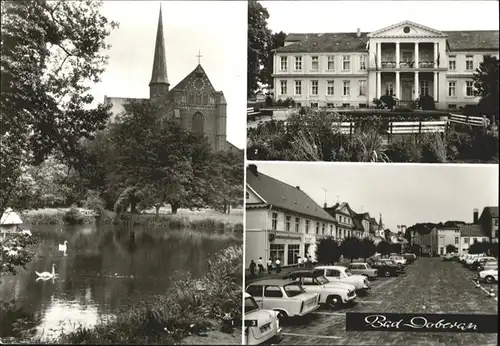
(252, 268)
(309, 260)
(299, 261)
(269, 266)
(278, 266)
(305, 261)
(260, 264)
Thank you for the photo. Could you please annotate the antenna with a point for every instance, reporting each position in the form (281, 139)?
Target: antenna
(325, 193)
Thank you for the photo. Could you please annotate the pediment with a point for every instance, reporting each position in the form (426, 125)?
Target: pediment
(407, 29)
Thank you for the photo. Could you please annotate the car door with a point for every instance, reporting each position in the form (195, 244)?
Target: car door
(256, 292)
(333, 275)
(273, 297)
(310, 285)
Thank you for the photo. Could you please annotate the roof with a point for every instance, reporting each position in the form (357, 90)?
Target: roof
(282, 195)
(302, 273)
(493, 211)
(471, 230)
(196, 73)
(350, 42)
(10, 217)
(357, 221)
(277, 282)
(159, 73)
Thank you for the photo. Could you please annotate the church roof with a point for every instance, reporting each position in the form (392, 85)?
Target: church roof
(159, 74)
(196, 73)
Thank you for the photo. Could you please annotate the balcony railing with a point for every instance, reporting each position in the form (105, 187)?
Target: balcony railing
(426, 64)
(407, 64)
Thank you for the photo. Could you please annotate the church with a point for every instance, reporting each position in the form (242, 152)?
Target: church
(194, 102)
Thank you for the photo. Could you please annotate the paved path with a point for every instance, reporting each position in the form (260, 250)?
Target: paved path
(430, 286)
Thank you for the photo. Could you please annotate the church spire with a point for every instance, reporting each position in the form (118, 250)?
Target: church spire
(159, 80)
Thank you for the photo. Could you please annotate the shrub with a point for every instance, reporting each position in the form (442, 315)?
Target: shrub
(426, 102)
(388, 101)
(73, 216)
(94, 202)
(378, 104)
(269, 101)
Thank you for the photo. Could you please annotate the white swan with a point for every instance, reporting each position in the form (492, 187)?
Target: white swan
(47, 275)
(63, 247)
(26, 232)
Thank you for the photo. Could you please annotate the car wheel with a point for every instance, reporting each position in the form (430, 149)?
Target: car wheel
(333, 301)
(489, 279)
(387, 274)
(282, 315)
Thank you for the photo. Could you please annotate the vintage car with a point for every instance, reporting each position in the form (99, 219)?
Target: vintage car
(480, 260)
(289, 299)
(331, 293)
(470, 258)
(489, 276)
(344, 275)
(448, 257)
(398, 259)
(400, 267)
(385, 268)
(363, 269)
(410, 257)
(264, 324)
(487, 265)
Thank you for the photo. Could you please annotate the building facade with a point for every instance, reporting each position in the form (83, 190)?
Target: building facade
(489, 223)
(345, 224)
(405, 60)
(282, 221)
(194, 102)
(470, 234)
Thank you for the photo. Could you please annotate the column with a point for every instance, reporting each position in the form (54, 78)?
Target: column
(379, 54)
(435, 87)
(397, 55)
(379, 84)
(417, 84)
(397, 85)
(436, 54)
(416, 55)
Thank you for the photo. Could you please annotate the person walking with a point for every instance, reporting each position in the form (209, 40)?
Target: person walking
(260, 264)
(252, 268)
(278, 265)
(299, 261)
(269, 266)
(305, 261)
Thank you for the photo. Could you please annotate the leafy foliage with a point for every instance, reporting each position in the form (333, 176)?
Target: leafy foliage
(486, 83)
(426, 102)
(73, 216)
(367, 248)
(451, 248)
(15, 252)
(277, 40)
(327, 250)
(350, 248)
(384, 248)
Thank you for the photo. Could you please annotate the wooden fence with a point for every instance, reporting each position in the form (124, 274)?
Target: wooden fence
(416, 127)
(468, 120)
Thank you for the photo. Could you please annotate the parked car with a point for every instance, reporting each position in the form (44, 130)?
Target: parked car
(471, 258)
(344, 275)
(288, 298)
(489, 276)
(385, 269)
(448, 257)
(330, 293)
(410, 257)
(487, 265)
(363, 269)
(480, 260)
(267, 326)
(399, 267)
(398, 259)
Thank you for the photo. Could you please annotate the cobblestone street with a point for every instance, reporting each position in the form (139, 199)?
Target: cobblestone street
(430, 286)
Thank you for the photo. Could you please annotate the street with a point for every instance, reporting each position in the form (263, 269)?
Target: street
(430, 286)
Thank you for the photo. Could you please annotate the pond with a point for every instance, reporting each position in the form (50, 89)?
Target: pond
(104, 270)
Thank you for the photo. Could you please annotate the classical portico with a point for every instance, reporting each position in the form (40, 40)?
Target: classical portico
(406, 61)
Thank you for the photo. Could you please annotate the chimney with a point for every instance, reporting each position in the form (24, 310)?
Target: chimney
(324, 205)
(297, 187)
(253, 169)
(358, 33)
(476, 215)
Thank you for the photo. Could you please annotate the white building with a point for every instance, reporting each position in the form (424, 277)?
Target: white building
(282, 221)
(404, 60)
(470, 234)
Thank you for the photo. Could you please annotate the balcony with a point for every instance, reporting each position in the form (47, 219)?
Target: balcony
(406, 64)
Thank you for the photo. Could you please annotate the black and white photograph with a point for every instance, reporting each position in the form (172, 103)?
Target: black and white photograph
(122, 172)
(373, 81)
(323, 241)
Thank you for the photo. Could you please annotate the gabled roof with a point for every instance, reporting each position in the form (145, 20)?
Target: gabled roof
(409, 23)
(282, 195)
(473, 40)
(492, 211)
(10, 217)
(471, 230)
(198, 72)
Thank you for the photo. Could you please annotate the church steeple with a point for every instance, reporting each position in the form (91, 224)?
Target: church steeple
(159, 84)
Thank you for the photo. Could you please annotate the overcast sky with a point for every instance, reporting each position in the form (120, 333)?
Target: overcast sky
(404, 193)
(218, 29)
(347, 16)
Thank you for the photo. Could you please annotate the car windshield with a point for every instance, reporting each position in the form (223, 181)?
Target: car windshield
(250, 305)
(322, 280)
(293, 290)
(348, 272)
(368, 266)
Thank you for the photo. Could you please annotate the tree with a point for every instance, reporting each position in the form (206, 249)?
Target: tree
(259, 39)
(486, 83)
(327, 250)
(15, 252)
(350, 248)
(384, 248)
(395, 248)
(277, 40)
(50, 51)
(451, 248)
(367, 248)
(479, 248)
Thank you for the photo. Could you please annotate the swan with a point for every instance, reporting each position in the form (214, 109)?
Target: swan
(26, 232)
(47, 275)
(63, 247)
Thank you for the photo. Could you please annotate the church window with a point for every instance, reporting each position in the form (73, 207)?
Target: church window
(191, 98)
(198, 124)
(183, 98)
(198, 99)
(211, 100)
(205, 99)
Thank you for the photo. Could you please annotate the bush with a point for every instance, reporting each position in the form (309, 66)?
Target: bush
(388, 101)
(73, 216)
(378, 104)
(94, 202)
(426, 102)
(269, 101)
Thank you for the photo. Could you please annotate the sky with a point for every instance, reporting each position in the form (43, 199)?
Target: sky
(217, 29)
(348, 16)
(404, 194)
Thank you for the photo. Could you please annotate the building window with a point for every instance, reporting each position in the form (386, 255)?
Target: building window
(424, 88)
(456, 240)
(314, 63)
(331, 62)
(469, 88)
(283, 87)
(211, 100)
(452, 63)
(469, 63)
(362, 88)
(298, 87)
(317, 227)
(198, 99)
(314, 104)
(389, 89)
(191, 98)
(451, 89)
(330, 87)
(331, 229)
(274, 223)
(346, 63)
(307, 226)
(441, 250)
(329, 105)
(298, 63)
(183, 98)
(323, 229)
(362, 63)
(287, 223)
(284, 63)
(474, 240)
(277, 251)
(347, 88)
(314, 87)
(297, 224)
(205, 99)
(495, 222)
(466, 240)
(247, 195)
(293, 253)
